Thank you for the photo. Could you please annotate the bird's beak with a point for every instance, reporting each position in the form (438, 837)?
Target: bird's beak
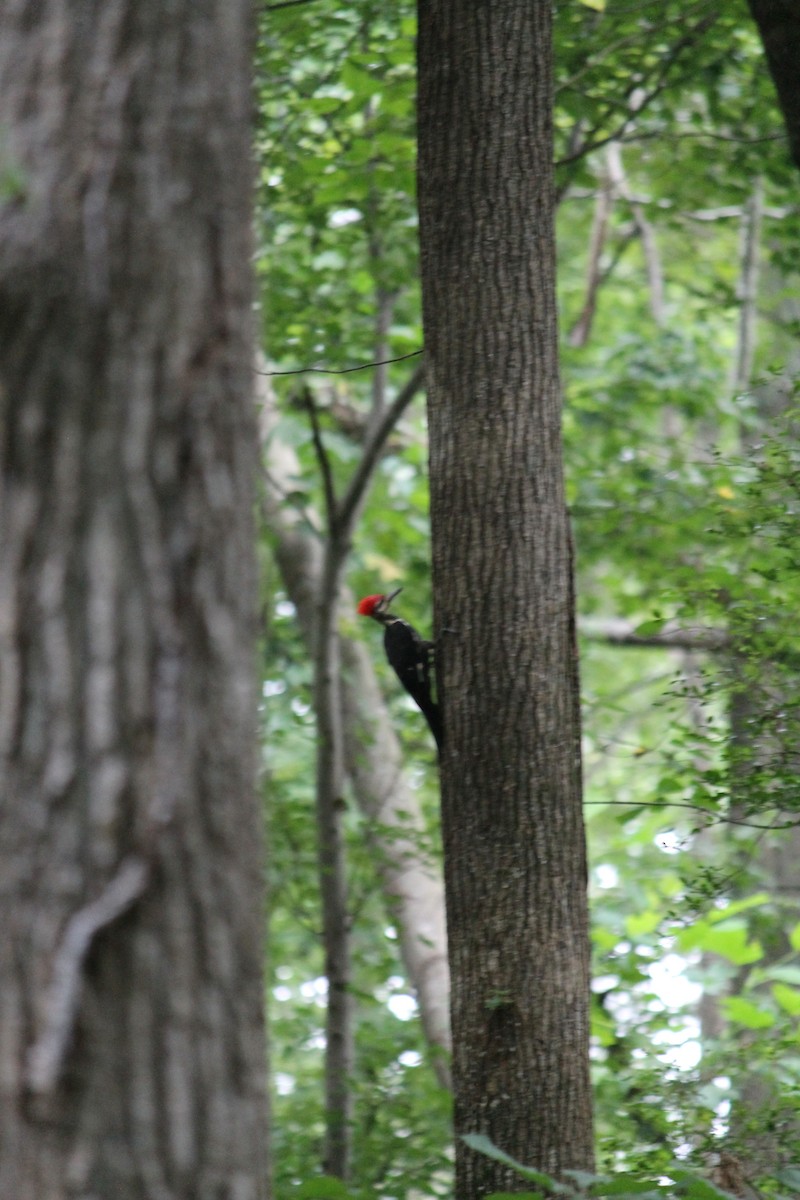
(391, 596)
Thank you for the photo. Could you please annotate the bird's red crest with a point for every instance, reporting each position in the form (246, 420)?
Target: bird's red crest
(367, 606)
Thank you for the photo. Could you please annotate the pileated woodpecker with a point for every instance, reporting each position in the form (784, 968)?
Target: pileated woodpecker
(409, 654)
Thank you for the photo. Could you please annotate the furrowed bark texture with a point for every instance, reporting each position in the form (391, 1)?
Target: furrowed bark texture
(515, 867)
(131, 1029)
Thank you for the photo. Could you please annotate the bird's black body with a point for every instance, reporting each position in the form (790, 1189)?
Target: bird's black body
(412, 659)
(410, 655)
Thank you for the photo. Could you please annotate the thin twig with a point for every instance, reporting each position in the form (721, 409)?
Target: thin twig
(384, 304)
(579, 333)
(645, 230)
(323, 458)
(747, 292)
(345, 370)
(621, 43)
(372, 449)
(663, 83)
(718, 818)
(699, 638)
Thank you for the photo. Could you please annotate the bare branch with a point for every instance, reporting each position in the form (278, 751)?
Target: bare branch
(612, 48)
(579, 334)
(394, 824)
(328, 685)
(644, 228)
(723, 213)
(574, 143)
(372, 450)
(343, 370)
(747, 292)
(716, 818)
(620, 633)
(644, 100)
(323, 458)
(384, 303)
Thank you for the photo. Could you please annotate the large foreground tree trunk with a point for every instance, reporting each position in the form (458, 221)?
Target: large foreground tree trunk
(515, 866)
(132, 1053)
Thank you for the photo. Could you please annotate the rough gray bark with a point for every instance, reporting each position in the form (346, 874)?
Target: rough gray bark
(515, 866)
(132, 1045)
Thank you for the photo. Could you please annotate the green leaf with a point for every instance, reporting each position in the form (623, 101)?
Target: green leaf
(697, 1188)
(788, 998)
(604, 939)
(12, 183)
(794, 937)
(583, 1179)
(515, 1196)
(738, 906)
(788, 974)
(790, 1177)
(731, 944)
(645, 922)
(652, 627)
(626, 1185)
(484, 1145)
(324, 1188)
(745, 1013)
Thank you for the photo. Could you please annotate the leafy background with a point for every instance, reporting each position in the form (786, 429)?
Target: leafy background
(683, 487)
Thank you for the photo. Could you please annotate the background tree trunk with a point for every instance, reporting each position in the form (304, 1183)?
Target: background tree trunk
(132, 1051)
(395, 825)
(515, 867)
(778, 23)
